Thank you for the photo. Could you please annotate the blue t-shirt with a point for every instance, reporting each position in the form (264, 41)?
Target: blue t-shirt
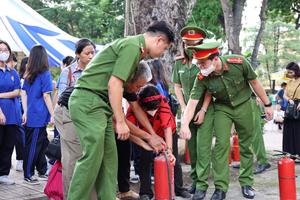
(10, 81)
(161, 89)
(37, 111)
(282, 101)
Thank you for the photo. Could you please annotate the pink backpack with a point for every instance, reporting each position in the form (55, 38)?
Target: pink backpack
(54, 187)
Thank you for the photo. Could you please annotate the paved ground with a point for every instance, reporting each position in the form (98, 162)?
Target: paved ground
(266, 185)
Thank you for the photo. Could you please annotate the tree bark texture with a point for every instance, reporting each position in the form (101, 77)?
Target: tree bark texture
(259, 36)
(233, 11)
(139, 14)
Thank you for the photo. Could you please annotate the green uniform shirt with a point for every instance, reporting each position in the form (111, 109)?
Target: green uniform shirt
(184, 74)
(119, 59)
(230, 87)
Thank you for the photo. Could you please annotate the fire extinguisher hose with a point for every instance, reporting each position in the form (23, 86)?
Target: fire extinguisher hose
(169, 174)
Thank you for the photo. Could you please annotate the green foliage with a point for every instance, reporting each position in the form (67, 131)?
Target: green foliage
(208, 15)
(279, 46)
(55, 72)
(100, 20)
(283, 9)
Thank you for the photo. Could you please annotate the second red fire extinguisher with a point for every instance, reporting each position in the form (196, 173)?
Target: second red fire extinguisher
(163, 178)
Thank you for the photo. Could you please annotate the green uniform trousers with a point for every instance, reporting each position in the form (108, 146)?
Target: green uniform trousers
(97, 167)
(200, 150)
(242, 117)
(258, 144)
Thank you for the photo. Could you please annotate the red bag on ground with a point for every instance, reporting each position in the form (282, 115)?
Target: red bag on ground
(54, 187)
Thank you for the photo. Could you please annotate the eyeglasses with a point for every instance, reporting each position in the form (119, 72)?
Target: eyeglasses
(4, 50)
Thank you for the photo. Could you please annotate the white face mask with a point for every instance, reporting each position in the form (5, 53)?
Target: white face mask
(208, 71)
(151, 112)
(4, 56)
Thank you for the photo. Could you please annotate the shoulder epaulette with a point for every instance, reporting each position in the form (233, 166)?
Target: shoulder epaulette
(235, 60)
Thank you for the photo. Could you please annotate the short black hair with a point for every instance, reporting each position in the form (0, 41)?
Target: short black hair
(283, 84)
(148, 91)
(294, 67)
(163, 27)
(67, 60)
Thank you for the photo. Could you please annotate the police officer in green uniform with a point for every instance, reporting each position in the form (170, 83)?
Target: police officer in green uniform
(228, 80)
(183, 77)
(258, 145)
(96, 97)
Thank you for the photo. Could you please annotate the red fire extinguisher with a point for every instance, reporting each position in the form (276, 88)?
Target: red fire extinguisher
(236, 151)
(187, 155)
(287, 182)
(163, 178)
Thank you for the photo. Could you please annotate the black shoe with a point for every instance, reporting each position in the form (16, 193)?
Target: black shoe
(218, 195)
(235, 165)
(184, 194)
(248, 192)
(145, 197)
(199, 194)
(192, 189)
(261, 168)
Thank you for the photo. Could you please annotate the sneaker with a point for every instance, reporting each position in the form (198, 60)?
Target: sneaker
(6, 180)
(31, 181)
(19, 165)
(134, 179)
(43, 177)
(128, 195)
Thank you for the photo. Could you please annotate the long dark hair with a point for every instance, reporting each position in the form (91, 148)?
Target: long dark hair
(22, 68)
(158, 74)
(37, 63)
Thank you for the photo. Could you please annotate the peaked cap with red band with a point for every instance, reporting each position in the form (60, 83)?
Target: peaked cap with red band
(204, 50)
(192, 33)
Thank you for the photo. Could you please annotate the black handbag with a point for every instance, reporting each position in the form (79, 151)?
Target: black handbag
(291, 111)
(64, 97)
(53, 151)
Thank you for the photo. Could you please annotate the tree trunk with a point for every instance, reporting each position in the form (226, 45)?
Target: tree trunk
(259, 36)
(140, 14)
(233, 23)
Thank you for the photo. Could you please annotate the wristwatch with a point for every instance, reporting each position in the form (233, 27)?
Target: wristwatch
(268, 105)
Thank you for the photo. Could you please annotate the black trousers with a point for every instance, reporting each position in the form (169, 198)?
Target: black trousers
(146, 161)
(7, 142)
(124, 152)
(36, 142)
(20, 143)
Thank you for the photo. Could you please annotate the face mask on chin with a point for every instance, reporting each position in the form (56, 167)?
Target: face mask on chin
(208, 71)
(4, 56)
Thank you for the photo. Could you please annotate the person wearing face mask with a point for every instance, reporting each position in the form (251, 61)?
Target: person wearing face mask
(228, 80)
(10, 115)
(163, 122)
(291, 127)
(184, 74)
(97, 99)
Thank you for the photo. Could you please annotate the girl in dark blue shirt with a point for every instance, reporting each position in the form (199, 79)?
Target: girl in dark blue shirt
(10, 116)
(38, 112)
